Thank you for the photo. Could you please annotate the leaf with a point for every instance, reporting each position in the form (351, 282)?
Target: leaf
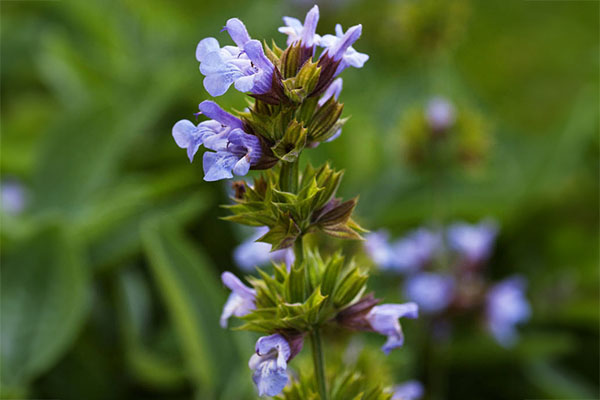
(189, 289)
(44, 301)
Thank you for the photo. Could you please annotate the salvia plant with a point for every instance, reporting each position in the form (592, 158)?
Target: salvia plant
(292, 106)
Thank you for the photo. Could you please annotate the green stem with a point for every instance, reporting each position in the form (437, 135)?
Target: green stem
(288, 176)
(319, 364)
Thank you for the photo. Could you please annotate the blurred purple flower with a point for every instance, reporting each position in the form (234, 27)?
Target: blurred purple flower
(251, 253)
(473, 242)
(241, 301)
(306, 33)
(415, 250)
(410, 390)
(432, 292)
(406, 254)
(244, 65)
(378, 249)
(339, 48)
(269, 364)
(384, 320)
(440, 114)
(13, 196)
(506, 307)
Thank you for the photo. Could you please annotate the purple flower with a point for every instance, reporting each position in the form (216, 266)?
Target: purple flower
(235, 157)
(13, 197)
(379, 250)
(473, 242)
(252, 253)
(440, 114)
(406, 254)
(410, 390)
(236, 150)
(339, 48)
(270, 364)
(240, 301)
(244, 65)
(384, 319)
(432, 292)
(415, 250)
(296, 31)
(506, 307)
(211, 133)
(333, 90)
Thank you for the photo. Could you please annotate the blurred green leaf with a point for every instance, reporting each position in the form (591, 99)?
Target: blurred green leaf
(44, 300)
(145, 360)
(189, 289)
(557, 383)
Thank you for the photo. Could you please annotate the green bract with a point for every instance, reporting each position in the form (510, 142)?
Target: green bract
(290, 212)
(308, 295)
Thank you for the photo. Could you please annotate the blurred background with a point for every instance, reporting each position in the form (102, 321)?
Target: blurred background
(112, 244)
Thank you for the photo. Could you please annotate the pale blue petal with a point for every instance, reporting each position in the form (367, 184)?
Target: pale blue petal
(269, 378)
(310, 27)
(206, 46)
(242, 167)
(237, 286)
(293, 23)
(355, 59)
(193, 149)
(393, 342)
(274, 342)
(328, 41)
(218, 166)
(339, 48)
(213, 63)
(214, 111)
(183, 133)
(334, 136)
(245, 83)
(410, 390)
(217, 84)
(256, 54)
(238, 32)
(333, 90)
(339, 32)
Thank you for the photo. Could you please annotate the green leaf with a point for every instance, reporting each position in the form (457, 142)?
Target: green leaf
(44, 301)
(190, 290)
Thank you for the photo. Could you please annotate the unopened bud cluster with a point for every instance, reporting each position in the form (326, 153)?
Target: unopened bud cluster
(441, 135)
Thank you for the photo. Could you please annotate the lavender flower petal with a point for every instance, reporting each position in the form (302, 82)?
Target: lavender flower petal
(473, 242)
(270, 364)
(505, 308)
(306, 33)
(432, 292)
(384, 320)
(410, 390)
(333, 90)
(241, 301)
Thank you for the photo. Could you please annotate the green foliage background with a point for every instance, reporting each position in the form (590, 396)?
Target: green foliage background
(109, 280)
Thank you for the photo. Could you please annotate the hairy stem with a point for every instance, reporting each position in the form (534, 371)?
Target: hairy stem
(318, 362)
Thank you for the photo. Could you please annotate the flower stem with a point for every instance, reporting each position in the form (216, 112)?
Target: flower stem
(319, 364)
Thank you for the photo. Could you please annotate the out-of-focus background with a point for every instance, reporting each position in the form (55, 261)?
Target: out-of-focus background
(112, 244)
